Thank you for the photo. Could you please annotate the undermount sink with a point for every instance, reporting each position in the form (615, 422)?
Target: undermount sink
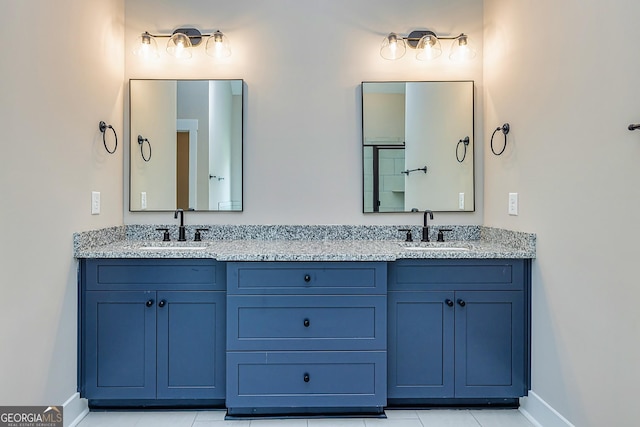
(436, 246)
(173, 248)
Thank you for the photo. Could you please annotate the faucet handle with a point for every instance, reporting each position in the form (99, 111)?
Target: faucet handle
(198, 235)
(165, 236)
(441, 234)
(409, 237)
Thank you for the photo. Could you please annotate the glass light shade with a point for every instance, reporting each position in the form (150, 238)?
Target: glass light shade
(393, 47)
(179, 46)
(461, 50)
(146, 46)
(218, 45)
(428, 48)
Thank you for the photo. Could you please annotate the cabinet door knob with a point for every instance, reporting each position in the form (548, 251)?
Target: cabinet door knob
(306, 323)
(307, 278)
(149, 303)
(448, 302)
(461, 303)
(306, 378)
(162, 303)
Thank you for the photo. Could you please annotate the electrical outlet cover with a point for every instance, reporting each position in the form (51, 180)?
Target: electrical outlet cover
(95, 203)
(513, 203)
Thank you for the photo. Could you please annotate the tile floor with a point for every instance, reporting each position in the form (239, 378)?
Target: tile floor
(395, 418)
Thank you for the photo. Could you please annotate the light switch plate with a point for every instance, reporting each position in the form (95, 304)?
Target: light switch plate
(95, 203)
(513, 203)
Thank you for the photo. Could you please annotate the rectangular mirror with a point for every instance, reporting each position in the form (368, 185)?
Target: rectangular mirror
(186, 145)
(418, 146)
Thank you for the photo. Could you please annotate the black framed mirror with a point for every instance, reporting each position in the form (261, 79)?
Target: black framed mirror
(418, 146)
(191, 151)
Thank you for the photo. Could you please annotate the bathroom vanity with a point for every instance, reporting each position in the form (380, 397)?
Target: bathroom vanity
(288, 327)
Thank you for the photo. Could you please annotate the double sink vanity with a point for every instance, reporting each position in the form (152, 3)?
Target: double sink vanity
(303, 319)
(290, 320)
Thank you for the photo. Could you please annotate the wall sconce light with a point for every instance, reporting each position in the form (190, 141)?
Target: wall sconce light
(181, 42)
(427, 46)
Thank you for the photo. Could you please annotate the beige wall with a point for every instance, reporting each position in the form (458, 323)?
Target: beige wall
(385, 117)
(565, 76)
(153, 109)
(62, 78)
(445, 118)
(303, 63)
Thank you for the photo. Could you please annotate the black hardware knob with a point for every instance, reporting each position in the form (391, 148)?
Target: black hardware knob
(409, 237)
(306, 323)
(165, 236)
(461, 303)
(162, 303)
(448, 302)
(149, 303)
(306, 378)
(307, 278)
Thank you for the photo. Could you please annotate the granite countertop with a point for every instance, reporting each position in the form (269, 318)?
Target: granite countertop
(302, 243)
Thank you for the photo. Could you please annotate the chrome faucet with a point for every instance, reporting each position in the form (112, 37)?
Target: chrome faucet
(425, 227)
(181, 230)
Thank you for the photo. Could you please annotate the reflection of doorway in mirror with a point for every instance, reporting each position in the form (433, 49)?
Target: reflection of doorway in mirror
(182, 168)
(187, 156)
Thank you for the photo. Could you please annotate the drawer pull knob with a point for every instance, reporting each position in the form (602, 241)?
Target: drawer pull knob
(306, 323)
(306, 378)
(307, 278)
(449, 302)
(461, 303)
(162, 303)
(149, 303)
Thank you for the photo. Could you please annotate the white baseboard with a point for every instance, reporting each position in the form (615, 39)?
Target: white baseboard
(540, 413)
(74, 410)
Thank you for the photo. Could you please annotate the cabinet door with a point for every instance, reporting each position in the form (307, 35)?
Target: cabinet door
(490, 359)
(120, 345)
(420, 344)
(191, 354)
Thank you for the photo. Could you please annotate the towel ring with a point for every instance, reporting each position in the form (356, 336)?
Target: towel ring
(141, 141)
(505, 130)
(103, 128)
(465, 144)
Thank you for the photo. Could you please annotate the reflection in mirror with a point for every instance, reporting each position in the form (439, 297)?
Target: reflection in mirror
(194, 128)
(418, 146)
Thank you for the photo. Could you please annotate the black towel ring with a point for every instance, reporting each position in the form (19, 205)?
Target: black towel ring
(141, 141)
(465, 144)
(505, 130)
(103, 128)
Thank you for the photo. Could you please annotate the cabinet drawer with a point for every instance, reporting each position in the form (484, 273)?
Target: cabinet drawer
(306, 379)
(153, 274)
(290, 322)
(306, 277)
(456, 275)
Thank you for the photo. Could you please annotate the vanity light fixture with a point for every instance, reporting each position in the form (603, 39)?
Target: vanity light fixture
(181, 42)
(427, 46)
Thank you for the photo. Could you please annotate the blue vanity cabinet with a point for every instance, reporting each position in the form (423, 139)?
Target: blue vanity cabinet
(458, 329)
(306, 337)
(151, 330)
